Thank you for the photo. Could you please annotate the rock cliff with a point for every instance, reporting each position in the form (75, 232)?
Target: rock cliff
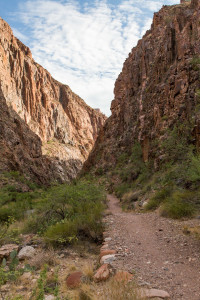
(157, 88)
(65, 125)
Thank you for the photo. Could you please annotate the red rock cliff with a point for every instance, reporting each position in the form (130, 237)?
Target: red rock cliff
(156, 88)
(66, 126)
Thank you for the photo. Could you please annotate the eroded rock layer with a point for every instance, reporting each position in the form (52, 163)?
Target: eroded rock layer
(157, 88)
(66, 126)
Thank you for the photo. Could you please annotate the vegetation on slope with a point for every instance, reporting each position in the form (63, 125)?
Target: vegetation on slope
(62, 214)
(172, 185)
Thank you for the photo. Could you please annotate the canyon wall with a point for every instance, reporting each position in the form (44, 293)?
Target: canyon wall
(66, 126)
(157, 88)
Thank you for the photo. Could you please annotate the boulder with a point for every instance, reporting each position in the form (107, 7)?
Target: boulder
(107, 252)
(102, 273)
(153, 293)
(104, 247)
(49, 297)
(26, 253)
(7, 249)
(107, 259)
(74, 280)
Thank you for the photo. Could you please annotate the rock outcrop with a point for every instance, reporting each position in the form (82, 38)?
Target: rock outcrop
(157, 88)
(66, 126)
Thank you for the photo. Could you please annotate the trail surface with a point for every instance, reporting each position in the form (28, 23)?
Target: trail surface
(156, 249)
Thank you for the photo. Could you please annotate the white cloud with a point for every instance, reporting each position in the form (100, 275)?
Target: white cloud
(85, 47)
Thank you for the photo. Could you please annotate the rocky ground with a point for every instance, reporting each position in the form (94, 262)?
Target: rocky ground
(156, 250)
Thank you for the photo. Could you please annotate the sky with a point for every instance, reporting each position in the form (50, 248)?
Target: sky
(82, 43)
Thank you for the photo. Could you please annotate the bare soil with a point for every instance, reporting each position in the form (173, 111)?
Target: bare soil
(156, 250)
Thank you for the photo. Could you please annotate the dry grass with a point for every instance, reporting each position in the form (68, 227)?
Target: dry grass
(88, 271)
(42, 258)
(195, 231)
(114, 290)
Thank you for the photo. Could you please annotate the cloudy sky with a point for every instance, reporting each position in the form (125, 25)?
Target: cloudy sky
(82, 43)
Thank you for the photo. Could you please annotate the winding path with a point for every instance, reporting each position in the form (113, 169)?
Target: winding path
(156, 250)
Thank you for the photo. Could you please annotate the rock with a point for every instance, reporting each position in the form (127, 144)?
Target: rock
(104, 247)
(107, 252)
(74, 280)
(145, 105)
(46, 118)
(108, 239)
(107, 259)
(102, 273)
(26, 253)
(7, 249)
(49, 297)
(123, 276)
(153, 293)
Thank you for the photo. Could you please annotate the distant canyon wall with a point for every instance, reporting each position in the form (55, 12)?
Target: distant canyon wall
(66, 126)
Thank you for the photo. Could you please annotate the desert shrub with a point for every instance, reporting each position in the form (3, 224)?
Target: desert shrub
(177, 209)
(177, 146)
(67, 212)
(158, 198)
(193, 172)
(121, 189)
(63, 232)
(178, 205)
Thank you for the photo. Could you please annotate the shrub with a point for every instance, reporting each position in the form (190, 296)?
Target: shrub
(64, 232)
(67, 212)
(179, 205)
(121, 189)
(158, 198)
(177, 209)
(193, 171)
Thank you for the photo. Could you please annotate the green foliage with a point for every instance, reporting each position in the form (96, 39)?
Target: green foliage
(158, 198)
(178, 206)
(4, 229)
(131, 169)
(9, 271)
(46, 285)
(177, 144)
(121, 189)
(67, 212)
(39, 291)
(193, 172)
(64, 232)
(195, 63)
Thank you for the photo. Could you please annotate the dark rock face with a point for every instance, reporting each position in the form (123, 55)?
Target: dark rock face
(61, 126)
(157, 87)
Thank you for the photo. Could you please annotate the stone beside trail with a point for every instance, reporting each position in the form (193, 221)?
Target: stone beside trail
(165, 262)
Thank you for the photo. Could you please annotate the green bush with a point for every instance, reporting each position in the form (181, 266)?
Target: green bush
(158, 198)
(193, 172)
(66, 212)
(63, 232)
(121, 189)
(177, 209)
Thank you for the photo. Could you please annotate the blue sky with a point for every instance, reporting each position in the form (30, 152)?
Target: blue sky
(82, 43)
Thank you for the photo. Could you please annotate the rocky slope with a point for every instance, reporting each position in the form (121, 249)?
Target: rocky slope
(66, 126)
(157, 88)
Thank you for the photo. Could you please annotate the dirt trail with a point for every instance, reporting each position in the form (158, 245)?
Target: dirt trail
(156, 250)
